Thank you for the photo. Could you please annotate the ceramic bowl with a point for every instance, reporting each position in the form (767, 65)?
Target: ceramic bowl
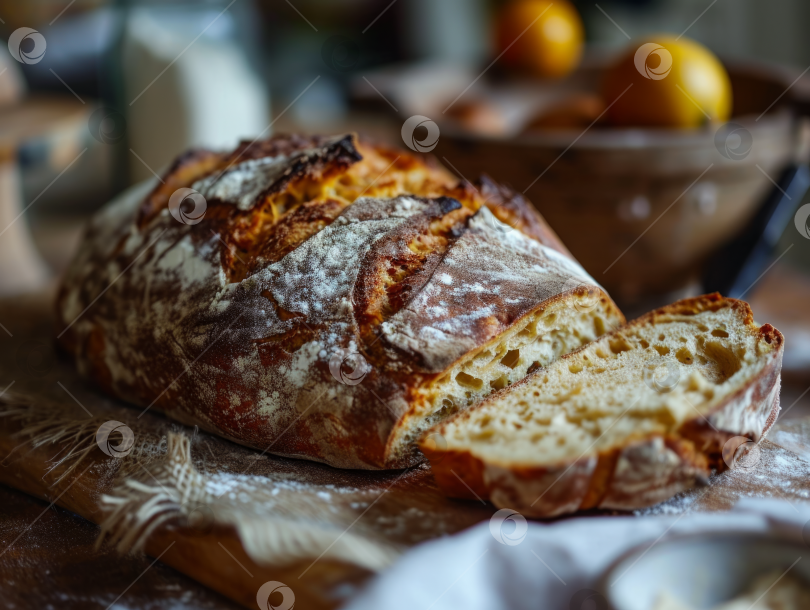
(701, 570)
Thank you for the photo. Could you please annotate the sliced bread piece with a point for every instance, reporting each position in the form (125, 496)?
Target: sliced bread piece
(624, 422)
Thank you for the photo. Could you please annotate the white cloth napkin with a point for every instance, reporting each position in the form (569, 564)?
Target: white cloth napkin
(554, 564)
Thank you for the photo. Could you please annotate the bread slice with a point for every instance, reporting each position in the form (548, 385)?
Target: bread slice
(624, 422)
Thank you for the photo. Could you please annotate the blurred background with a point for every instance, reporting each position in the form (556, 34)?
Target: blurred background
(665, 141)
(657, 197)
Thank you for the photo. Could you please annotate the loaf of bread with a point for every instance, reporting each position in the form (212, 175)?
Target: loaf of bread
(325, 299)
(625, 422)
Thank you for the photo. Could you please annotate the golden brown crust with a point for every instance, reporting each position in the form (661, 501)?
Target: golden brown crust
(644, 472)
(461, 474)
(311, 248)
(187, 168)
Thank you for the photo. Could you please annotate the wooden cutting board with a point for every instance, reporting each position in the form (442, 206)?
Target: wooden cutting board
(398, 509)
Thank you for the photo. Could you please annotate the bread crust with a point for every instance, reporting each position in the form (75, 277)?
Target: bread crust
(643, 473)
(235, 323)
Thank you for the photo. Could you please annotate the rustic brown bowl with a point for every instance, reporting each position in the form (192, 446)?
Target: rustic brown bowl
(642, 209)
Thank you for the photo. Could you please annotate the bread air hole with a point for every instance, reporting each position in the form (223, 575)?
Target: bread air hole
(662, 350)
(511, 358)
(722, 360)
(499, 383)
(684, 356)
(468, 381)
(447, 409)
(619, 344)
(719, 333)
(530, 331)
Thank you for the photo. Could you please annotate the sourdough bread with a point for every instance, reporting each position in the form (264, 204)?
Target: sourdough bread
(624, 422)
(329, 299)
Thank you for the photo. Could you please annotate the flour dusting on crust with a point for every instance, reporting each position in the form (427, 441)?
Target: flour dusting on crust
(409, 272)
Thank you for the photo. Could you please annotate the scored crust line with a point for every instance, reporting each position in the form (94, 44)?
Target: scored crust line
(217, 235)
(378, 177)
(265, 130)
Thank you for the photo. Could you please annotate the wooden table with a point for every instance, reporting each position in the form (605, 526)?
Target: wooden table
(47, 554)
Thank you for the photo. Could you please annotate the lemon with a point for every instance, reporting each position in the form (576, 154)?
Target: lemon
(667, 82)
(543, 37)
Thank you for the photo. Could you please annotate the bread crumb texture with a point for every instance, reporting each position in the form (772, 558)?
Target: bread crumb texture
(650, 405)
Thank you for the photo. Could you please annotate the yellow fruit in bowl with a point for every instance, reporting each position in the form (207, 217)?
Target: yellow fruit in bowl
(541, 36)
(665, 82)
